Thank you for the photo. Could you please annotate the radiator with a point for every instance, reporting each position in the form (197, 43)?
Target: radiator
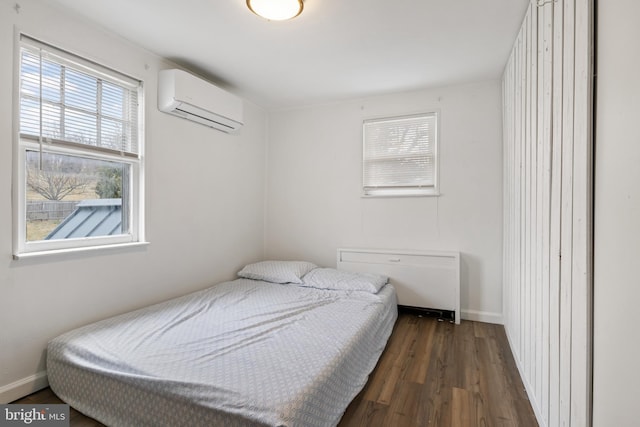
(427, 280)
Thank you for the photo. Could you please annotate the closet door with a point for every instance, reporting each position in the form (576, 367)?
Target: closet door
(548, 108)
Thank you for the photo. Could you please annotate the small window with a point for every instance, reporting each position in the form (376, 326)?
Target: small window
(400, 156)
(79, 157)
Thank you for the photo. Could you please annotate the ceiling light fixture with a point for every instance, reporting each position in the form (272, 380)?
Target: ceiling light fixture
(276, 10)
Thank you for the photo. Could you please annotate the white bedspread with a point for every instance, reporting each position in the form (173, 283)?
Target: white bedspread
(240, 353)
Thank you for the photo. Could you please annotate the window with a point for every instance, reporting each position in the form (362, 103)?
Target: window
(79, 158)
(400, 156)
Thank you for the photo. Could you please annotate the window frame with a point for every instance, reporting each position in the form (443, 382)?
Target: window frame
(22, 248)
(404, 190)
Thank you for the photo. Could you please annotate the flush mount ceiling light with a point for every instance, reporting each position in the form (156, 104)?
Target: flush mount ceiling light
(276, 10)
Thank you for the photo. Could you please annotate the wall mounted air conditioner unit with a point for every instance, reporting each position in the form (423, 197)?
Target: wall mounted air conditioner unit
(190, 97)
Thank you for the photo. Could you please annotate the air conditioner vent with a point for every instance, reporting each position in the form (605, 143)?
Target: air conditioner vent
(195, 99)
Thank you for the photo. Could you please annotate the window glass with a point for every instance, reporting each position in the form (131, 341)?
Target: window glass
(70, 196)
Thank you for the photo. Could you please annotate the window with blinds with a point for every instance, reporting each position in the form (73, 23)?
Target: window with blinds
(80, 152)
(400, 156)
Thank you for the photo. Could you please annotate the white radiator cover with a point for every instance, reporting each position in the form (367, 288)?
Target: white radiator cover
(423, 279)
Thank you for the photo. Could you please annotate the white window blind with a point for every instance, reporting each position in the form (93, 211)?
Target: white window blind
(68, 100)
(400, 155)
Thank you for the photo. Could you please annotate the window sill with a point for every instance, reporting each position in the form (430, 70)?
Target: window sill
(390, 195)
(71, 251)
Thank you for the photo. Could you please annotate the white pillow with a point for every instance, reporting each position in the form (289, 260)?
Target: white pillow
(330, 278)
(277, 271)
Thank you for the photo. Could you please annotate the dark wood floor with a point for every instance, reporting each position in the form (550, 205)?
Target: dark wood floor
(439, 374)
(431, 374)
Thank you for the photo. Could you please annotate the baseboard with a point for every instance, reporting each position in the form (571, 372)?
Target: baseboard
(23, 387)
(481, 316)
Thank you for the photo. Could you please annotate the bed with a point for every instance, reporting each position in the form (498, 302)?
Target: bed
(286, 344)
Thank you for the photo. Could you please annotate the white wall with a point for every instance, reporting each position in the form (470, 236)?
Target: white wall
(204, 208)
(617, 217)
(314, 187)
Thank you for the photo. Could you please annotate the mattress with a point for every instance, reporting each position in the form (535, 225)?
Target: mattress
(241, 353)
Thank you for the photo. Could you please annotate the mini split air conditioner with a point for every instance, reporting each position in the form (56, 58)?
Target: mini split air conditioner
(190, 97)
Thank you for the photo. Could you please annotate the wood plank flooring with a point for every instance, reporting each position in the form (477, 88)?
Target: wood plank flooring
(439, 374)
(431, 374)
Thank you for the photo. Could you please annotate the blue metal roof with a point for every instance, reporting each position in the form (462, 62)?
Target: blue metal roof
(99, 217)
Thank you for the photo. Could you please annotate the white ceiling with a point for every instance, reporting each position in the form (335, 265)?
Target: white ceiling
(337, 49)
